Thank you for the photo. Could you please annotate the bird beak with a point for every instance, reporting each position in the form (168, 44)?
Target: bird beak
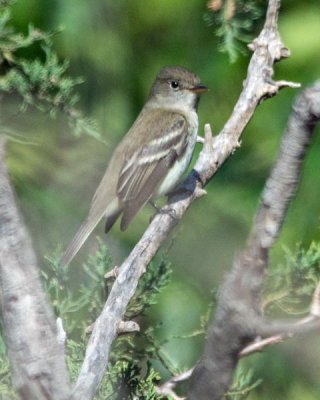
(199, 89)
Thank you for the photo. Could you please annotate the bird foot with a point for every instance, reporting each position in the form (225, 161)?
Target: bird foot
(160, 210)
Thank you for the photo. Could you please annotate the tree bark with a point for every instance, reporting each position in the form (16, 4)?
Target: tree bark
(239, 320)
(37, 360)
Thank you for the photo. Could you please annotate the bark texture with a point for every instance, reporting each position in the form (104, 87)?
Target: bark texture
(37, 360)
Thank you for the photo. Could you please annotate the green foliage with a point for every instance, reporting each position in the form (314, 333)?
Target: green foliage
(154, 280)
(6, 3)
(89, 298)
(125, 381)
(290, 288)
(243, 384)
(234, 20)
(6, 389)
(75, 350)
(290, 285)
(41, 82)
(130, 372)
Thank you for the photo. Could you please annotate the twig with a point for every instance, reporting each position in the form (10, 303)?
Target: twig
(167, 388)
(61, 333)
(200, 139)
(128, 327)
(112, 274)
(311, 322)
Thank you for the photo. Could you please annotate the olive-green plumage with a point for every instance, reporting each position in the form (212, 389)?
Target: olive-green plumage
(151, 157)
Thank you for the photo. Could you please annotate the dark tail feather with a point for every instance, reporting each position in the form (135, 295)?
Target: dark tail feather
(111, 220)
(80, 237)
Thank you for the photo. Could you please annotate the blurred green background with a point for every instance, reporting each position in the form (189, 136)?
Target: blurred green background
(118, 47)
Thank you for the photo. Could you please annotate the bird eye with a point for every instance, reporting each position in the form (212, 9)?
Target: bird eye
(174, 84)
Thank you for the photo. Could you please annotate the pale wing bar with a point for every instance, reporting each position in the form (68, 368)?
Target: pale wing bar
(144, 171)
(137, 169)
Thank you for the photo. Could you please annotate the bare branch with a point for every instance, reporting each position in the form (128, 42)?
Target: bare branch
(167, 388)
(238, 319)
(61, 333)
(200, 139)
(258, 86)
(37, 360)
(128, 327)
(315, 305)
(112, 274)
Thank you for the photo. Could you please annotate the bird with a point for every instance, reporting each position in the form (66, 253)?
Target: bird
(151, 158)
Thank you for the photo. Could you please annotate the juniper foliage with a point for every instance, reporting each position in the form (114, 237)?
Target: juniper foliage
(234, 22)
(43, 82)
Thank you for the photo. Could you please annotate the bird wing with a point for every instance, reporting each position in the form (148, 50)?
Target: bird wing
(144, 170)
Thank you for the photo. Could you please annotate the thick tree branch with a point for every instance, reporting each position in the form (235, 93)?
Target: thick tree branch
(258, 85)
(37, 360)
(238, 320)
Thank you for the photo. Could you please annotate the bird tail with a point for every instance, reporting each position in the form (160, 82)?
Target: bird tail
(80, 237)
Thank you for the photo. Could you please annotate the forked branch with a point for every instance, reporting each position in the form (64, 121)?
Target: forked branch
(239, 327)
(258, 86)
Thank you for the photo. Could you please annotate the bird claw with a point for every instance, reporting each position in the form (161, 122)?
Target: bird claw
(167, 210)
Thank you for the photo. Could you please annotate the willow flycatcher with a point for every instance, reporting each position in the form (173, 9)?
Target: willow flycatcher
(152, 156)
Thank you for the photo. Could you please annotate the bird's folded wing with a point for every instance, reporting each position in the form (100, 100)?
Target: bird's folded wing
(145, 169)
